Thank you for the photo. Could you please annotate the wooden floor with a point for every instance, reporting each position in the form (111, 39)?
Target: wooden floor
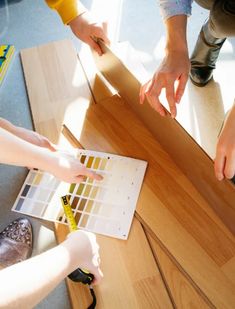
(179, 253)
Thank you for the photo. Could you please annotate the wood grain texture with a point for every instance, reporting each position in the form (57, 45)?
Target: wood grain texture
(132, 279)
(184, 293)
(198, 243)
(57, 88)
(192, 160)
(171, 209)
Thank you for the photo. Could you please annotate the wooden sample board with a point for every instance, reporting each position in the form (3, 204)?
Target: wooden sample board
(187, 154)
(186, 240)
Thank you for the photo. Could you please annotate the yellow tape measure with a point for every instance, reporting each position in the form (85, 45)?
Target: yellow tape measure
(78, 275)
(68, 213)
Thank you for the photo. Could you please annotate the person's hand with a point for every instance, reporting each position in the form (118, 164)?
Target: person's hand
(225, 150)
(88, 30)
(172, 75)
(34, 138)
(84, 252)
(67, 167)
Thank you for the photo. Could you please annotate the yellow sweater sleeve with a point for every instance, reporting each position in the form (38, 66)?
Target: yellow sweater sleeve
(67, 9)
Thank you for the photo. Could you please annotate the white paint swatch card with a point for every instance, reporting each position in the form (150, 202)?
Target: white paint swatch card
(106, 207)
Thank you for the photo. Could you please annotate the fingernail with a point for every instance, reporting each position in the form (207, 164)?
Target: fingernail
(99, 177)
(220, 177)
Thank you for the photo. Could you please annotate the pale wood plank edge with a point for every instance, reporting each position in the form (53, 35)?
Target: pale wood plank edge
(168, 290)
(87, 79)
(70, 137)
(149, 231)
(26, 86)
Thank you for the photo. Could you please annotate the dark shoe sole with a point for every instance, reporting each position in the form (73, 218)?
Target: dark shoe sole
(199, 84)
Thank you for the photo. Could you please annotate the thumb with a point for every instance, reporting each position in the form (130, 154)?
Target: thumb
(102, 33)
(94, 45)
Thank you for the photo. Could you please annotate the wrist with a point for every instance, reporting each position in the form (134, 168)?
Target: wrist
(45, 159)
(74, 250)
(176, 52)
(176, 34)
(172, 47)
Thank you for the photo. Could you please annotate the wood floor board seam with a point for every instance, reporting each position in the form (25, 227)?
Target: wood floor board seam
(161, 272)
(137, 275)
(173, 259)
(87, 79)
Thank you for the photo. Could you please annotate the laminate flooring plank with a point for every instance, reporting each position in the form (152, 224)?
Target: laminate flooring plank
(184, 293)
(57, 88)
(187, 154)
(229, 269)
(200, 244)
(132, 279)
(131, 252)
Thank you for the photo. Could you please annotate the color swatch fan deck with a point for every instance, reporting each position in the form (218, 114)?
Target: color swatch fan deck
(106, 207)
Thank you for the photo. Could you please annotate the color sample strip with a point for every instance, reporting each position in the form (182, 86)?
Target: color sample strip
(106, 207)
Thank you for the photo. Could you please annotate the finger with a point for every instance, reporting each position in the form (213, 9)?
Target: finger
(78, 179)
(99, 34)
(219, 165)
(92, 175)
(103, 33)
(181, 87)
(94, 45)
(170, 95)
(152, 95)
(142, 92)
(229, 170)
(156, 104)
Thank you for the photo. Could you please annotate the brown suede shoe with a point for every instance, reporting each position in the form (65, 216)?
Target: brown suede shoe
(16, 242)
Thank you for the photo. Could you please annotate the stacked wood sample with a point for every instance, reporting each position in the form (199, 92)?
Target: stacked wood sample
(183, 255)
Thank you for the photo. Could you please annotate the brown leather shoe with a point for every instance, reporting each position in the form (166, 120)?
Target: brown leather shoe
(16, 242)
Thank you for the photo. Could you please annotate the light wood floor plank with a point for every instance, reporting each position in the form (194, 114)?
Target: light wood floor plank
(184, 293)
(132, 279)
(196, 249)
(168, 206)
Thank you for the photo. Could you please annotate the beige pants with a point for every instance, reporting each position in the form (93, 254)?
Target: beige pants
(222, 17)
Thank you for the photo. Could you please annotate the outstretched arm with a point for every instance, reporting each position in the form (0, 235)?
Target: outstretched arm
(25, 284)
(16, 151)
(172, 74)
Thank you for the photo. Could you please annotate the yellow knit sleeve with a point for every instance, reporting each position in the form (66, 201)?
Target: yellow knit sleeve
(67, 9)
